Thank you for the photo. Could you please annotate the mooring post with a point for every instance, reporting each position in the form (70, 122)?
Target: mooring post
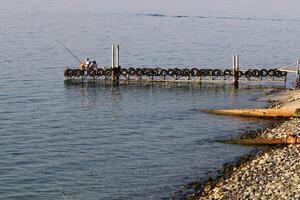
(115, 63)
(117, 74)
(237, 66)
(235, 69)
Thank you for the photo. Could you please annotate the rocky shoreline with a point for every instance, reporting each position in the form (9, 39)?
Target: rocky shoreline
(273, 173)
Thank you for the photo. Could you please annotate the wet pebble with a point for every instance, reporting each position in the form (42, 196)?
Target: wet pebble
(274, 174)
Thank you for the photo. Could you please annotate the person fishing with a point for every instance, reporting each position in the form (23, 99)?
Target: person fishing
(93, 65)
(87, 64)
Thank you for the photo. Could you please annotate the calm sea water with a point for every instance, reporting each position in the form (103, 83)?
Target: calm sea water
(127, 142)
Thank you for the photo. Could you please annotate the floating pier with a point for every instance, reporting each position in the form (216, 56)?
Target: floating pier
(117, 74)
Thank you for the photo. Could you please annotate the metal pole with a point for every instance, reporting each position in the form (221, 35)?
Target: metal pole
(234, 70)
(113, 56)
(117, 58)
(117, 67)
(237, 64)
(113, 63)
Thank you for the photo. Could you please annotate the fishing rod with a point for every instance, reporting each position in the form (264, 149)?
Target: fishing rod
(66, 48)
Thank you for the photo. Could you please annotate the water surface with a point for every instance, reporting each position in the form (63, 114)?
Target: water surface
(127, 142)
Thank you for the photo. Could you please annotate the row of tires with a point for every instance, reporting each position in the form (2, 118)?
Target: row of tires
(173, 72)
(94, 72)
(262, 73)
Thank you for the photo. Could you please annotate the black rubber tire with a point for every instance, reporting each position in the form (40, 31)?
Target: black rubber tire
(163, 72)
(139, 72)
(284, 73)
(240, 74)
(107, 72)
(100, 72)
(278, 73)
(66, 72)
(202, 72)
(264, 72)
(124, 72)
(194, 72)
(154, 72)
(271, 72)
(227, 72)
(248, 73)
(170, 72)
(92, 73)
(177, 72)
(131, 71)
(77, 72)
(209, 72)
(217, 72)
(158, 69)
(256, 73)
(186, 72)
(70, 72)
(146, 71)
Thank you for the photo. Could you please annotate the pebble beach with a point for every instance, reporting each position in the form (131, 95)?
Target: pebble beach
(273, 173)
